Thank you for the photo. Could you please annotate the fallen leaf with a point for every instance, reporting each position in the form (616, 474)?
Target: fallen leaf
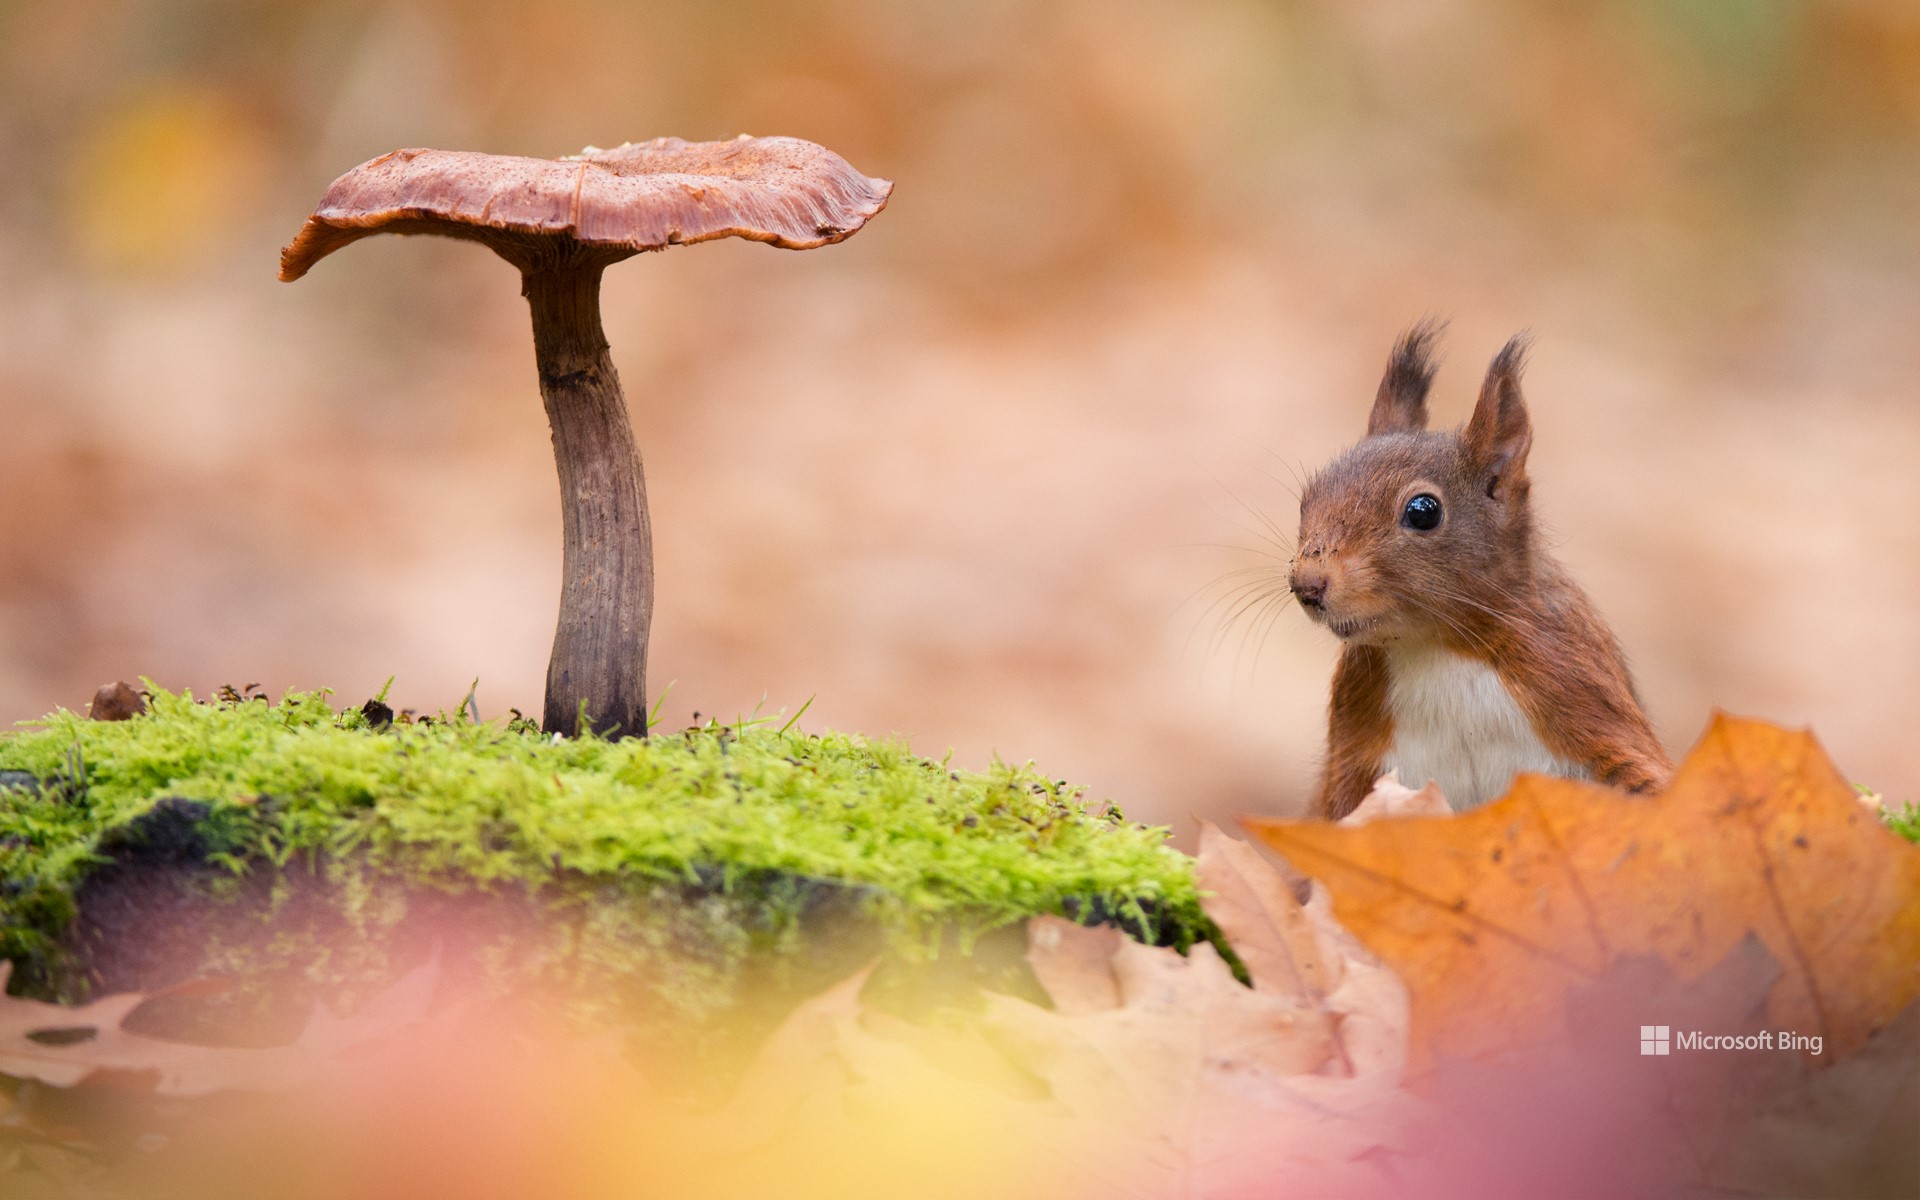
(1266, 926)
(1845, 1131)
(1591, 1115)
(801, 1064)
(1196, 1085)
(1491, 916)
(1301, 951)
(1370, 1001)
(1154, 1075)
(66, 1045)
(1179, 1017)
(1391, 798)
(1072, 961)
(847, 1103)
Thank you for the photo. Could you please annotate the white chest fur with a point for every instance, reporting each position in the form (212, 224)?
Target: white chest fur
(1455, 723)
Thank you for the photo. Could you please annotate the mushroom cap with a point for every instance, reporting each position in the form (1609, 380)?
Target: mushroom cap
(601, 205)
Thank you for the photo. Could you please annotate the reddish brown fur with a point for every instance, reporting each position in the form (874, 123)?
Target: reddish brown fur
(1480, 584)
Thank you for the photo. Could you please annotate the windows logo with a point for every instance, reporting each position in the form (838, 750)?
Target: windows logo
(1653, 1039)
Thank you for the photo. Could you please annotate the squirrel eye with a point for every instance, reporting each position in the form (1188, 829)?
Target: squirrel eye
(1422, 512)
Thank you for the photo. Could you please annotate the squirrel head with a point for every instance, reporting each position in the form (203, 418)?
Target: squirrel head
(1416, 534)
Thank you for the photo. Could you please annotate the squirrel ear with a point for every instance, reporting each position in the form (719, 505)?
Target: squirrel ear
(1498, 434)
(1401, 404)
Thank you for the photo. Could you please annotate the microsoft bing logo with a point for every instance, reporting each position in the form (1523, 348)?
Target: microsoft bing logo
(1653, 1039)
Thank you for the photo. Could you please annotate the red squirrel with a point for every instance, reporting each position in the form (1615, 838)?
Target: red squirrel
(1467, 653)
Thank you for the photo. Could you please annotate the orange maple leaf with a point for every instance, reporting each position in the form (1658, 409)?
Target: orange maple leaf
(1491, 915)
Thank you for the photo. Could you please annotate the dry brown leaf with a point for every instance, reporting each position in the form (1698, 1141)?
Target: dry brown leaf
(1162, 1076)
(1391, 798)
(801, 1063)
(847, 1103)
(1071, 963)
(1300, 950)
(1588, 1114)
(1370, 1001)
(63, 1046)
(1591, 1115)
(1178, 1017)
(1255, 907)
(1195, 1085)
(1490, 916)
(1847, 1131)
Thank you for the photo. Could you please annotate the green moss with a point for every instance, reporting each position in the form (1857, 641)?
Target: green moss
(707, 844)
(1904, 821)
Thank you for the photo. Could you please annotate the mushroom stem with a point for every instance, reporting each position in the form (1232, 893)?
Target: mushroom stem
(606, 592)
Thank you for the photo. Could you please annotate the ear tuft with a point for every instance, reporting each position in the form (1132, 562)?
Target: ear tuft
(1512, 358)
(1401, 404)
(1499, 433)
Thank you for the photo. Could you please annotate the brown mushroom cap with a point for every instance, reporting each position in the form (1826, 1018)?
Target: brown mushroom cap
(603, 205)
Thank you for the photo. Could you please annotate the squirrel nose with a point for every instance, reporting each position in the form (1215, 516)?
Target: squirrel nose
(1310, 587)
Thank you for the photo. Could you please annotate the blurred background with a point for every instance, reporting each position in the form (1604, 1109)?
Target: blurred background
(982, 476)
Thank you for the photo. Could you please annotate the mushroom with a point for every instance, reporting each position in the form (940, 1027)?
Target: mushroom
(117, 702)
(561, 222)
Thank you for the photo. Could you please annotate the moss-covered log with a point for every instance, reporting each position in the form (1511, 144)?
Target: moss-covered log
(687, 880)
